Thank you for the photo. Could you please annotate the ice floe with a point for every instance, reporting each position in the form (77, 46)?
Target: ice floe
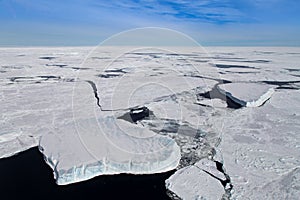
(247, 94)
(109, 147)
(193, 183)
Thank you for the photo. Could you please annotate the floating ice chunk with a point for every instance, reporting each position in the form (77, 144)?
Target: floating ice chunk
(247, 94)
(89, 148)
(193, 183)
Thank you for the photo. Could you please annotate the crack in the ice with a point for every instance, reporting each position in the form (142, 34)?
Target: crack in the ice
(225, 183)
(285, 85)
(212, 175)
(94, 87)
(220, 81)
(95, 90)
(219, 166)
(280, 83)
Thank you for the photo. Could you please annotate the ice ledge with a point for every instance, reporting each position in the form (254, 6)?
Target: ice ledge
(79, 154)
(247, 94)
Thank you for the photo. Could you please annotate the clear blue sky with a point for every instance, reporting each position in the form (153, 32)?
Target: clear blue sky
(211, 22)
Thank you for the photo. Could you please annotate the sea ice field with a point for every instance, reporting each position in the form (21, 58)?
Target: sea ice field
(226, 119)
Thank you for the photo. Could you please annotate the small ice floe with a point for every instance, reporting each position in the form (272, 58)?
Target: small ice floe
(247, 94)
(193, 183)
(206, 179)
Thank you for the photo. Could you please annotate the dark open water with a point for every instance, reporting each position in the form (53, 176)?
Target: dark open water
(27, 176)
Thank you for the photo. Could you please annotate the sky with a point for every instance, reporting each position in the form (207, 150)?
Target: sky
(209, 22)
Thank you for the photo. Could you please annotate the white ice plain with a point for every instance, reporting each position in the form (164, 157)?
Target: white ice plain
(258, 145)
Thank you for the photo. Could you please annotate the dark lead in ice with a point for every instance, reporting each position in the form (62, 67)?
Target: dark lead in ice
(137, 114)
(216, 94)
(47, 57)
(234, 66)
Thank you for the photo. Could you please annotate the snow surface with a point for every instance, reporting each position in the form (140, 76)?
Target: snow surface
(48, 96)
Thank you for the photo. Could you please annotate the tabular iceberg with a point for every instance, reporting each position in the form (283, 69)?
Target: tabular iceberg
(108, 146)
